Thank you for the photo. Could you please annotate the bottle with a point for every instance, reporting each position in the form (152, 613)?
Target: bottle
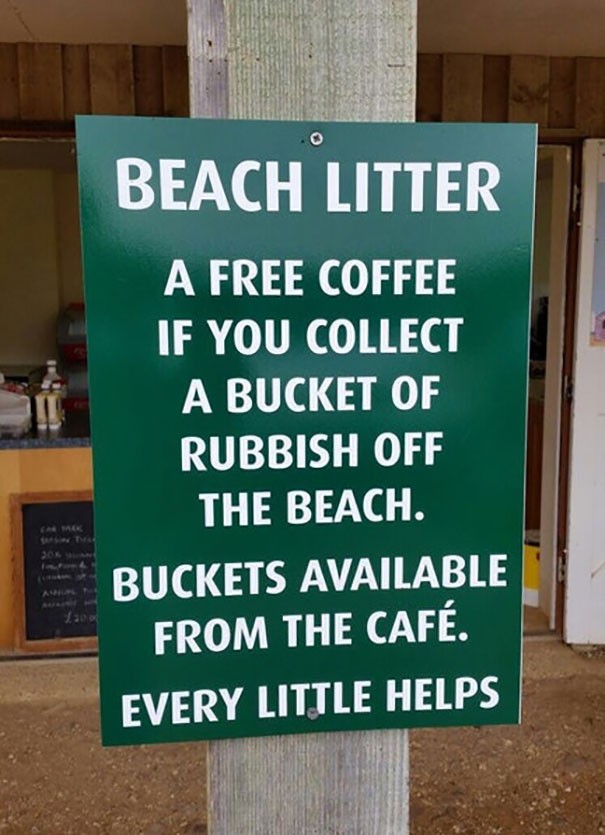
(41, 403)
(53, 407)
(51, 375)
(57, 389)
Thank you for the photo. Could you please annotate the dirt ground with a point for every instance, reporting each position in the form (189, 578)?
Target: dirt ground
(545, 776)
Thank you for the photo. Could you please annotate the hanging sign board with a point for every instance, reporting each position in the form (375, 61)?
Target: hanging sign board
(308, 361)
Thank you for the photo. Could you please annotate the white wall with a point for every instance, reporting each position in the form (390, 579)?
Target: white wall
(512, 27)
(40, 268)
(68, 237)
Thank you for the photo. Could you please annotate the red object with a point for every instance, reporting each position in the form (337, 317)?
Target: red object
(70, 334)
(74, 352)
(75, 404)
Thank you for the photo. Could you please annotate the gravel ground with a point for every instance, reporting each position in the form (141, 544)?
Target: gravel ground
(545, 776)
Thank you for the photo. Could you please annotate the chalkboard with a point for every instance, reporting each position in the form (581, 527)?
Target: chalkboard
(57, 566)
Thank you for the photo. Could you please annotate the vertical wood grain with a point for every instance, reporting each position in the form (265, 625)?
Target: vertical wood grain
(49, 82)
(176, 81)
(562, 96)
(429, 88)
(40, 81)
(528, 96)
(111, 79)
(148, 80)
(76, 80)
(208, 66)
(590, 102)
(496, 70)
(351, 782)
(9, 82)
(462, 88)
(336, 60)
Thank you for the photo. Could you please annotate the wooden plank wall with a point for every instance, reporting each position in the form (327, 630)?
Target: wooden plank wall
(560, 94)
(52, 82)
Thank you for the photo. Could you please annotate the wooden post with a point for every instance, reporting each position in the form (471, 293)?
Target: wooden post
(333, 60)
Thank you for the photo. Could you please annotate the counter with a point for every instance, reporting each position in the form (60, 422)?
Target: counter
(74, 433)
(39, 464)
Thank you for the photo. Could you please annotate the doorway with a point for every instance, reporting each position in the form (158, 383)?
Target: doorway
(545, 387)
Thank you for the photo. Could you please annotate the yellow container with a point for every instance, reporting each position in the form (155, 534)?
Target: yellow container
(531, 574)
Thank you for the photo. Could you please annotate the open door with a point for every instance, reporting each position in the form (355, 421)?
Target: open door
(553, 187)
(585, 591)
(559, 159)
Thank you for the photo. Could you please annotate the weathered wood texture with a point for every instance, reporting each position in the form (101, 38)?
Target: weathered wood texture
(148, 81)
(175, 76)
(111, 79)
(429, 88)
(462, 88)
(76, 80)
(495, 88)
(564, 94)
(306, 60)
(310, 784)
(40, 81)
(53, 82)
(208, 76)
(528, 89)
(337, 60)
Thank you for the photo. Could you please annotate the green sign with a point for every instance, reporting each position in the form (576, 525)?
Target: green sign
(308, 368)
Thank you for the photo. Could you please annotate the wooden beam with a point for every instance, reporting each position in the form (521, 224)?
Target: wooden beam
(208, 68)
(353, 60)
(284, 67)
(316, 783)
(563, 136)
